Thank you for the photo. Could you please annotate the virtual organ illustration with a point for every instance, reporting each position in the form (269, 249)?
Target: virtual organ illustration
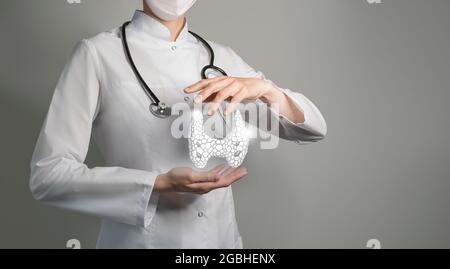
(233, 148)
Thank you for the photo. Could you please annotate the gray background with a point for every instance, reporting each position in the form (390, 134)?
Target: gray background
(380, 74)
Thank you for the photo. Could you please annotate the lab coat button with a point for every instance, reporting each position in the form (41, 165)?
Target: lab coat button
(200, 214)
(174, 47)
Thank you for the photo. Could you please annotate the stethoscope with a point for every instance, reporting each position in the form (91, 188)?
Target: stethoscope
(157, 108)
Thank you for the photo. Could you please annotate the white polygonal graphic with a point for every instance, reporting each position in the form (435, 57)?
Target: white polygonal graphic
(233, 148)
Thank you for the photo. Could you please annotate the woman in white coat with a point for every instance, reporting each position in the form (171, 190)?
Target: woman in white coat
(147, 195)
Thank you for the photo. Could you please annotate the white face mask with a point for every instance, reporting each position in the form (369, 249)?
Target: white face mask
(170, 9)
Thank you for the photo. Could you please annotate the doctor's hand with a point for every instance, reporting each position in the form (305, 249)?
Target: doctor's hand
(235, 90)
(185, 179)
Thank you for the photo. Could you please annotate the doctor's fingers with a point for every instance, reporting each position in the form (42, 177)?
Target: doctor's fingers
(212, 88)
(202, 83)
(206, 176)
(226, 180)
(235, 101)
(229, 91)
(223, 182)
(227, 171)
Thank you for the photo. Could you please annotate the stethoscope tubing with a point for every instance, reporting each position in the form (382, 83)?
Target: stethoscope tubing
(141, 80)
(157, 108)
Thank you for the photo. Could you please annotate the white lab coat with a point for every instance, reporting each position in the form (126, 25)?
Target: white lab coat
(98, 95)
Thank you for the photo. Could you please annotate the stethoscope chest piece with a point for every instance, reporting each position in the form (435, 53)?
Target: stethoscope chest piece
(160, 110)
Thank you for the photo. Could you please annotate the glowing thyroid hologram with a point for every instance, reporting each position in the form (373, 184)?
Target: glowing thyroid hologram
(233, 148)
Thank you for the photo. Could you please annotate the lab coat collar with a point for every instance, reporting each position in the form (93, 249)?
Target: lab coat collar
(149, 25)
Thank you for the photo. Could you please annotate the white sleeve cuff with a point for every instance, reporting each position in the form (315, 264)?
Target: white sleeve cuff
(314, 127)
(148, 202)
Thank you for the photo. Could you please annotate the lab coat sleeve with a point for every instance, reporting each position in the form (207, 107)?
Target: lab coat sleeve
(59, 176)
(313, 129)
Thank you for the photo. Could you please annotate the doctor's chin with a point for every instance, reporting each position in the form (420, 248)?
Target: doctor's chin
(166, 125)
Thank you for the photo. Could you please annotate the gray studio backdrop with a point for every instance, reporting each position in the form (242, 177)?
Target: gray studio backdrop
(380, 73)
